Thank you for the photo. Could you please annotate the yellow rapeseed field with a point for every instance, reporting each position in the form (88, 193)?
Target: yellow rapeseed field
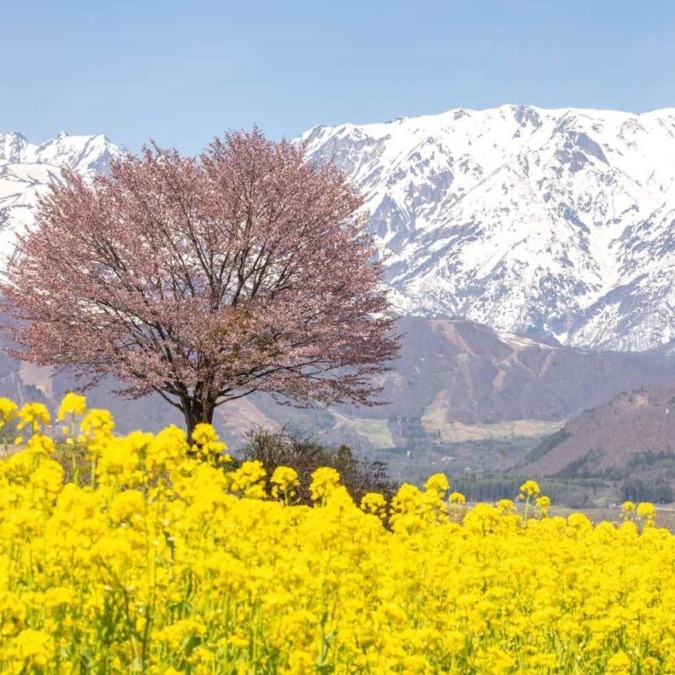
(157, 559)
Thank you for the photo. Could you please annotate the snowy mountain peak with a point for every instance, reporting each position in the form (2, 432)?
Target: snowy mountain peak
(27, 169)
(555, 224)
(12, 147)
(552, 223)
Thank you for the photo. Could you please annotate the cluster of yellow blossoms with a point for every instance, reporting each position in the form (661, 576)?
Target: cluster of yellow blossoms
(163, 558)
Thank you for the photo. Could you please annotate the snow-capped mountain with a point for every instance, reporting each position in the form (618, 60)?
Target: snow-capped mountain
(27, 169)
(558, 224)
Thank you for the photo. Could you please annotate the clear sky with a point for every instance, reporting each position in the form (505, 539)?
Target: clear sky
(181, 72)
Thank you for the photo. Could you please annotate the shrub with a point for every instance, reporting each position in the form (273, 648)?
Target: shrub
(306, 454)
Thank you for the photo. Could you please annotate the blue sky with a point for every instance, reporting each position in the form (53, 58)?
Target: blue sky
(182, 72)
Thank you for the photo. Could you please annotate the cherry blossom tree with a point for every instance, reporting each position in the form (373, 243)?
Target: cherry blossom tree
(205, 279)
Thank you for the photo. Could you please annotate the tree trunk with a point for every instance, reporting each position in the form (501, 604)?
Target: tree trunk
(198, 410)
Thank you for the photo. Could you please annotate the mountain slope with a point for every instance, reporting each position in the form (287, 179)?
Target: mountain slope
(479, 376)
(556, 224)
(635, 429)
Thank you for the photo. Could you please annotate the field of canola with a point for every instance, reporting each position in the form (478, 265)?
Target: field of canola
(169, 563)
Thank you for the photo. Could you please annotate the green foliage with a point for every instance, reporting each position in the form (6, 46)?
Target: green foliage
(486, 489)
(656, 491)
(573, 492)
(581, 467)
(648, 458)
(548, 444)
(74, 460)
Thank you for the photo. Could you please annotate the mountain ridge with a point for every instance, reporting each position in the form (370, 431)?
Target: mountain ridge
(530, 220)
(554, 224)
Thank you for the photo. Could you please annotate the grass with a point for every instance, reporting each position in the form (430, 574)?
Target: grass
(455, 432)
(435, 419)
(376, 431)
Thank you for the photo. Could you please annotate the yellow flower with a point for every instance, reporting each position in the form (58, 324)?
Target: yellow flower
(164, 563)
(72, 404)
(34, 416)
(284, 481)
(646, 512)
(33, 648)
(208, 444)
(437, 483)
(41, 445)
(248, 479)
(324, 482)
(543, 504)
(98, 422)
(8, 411)
(619, 664)
(126, 505)
(204, 433)
(506, 506)
(373, 502)
(530, 488)
(579, 521)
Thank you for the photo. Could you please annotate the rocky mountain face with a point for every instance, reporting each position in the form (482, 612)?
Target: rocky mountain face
(26, 171)
(554, 224)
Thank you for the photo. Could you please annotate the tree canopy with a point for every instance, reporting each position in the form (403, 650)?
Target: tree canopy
(205, 279)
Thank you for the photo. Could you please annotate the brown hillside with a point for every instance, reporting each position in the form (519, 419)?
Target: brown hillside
(618, 434)
(479, 376)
